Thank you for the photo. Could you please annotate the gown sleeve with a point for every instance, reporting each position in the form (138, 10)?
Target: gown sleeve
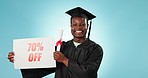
(36, 73)
(90, 67)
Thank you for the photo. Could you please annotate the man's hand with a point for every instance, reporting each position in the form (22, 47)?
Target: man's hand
(11, 57)
(59, 57)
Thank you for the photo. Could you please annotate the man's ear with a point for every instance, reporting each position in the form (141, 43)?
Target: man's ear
(87, 26)
(71, 27)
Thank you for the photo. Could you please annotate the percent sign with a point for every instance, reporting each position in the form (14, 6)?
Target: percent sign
(35, 46)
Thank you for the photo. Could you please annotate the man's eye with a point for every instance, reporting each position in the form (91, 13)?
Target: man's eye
(74, 24)
(82, 24)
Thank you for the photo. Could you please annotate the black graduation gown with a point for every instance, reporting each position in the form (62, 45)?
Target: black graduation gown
(84, 60)
(36, 73)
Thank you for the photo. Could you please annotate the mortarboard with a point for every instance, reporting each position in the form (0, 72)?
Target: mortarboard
(80, 12)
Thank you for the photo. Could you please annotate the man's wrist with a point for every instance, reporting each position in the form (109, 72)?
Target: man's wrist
(65, 61)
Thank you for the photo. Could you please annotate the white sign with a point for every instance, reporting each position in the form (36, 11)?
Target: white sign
(34, 53)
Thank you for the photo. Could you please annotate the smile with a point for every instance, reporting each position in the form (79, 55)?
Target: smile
(78, 31)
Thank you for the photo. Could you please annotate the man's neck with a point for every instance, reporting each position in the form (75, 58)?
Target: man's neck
(79, 40)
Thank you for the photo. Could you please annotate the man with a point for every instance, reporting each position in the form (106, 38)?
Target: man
(79, 57)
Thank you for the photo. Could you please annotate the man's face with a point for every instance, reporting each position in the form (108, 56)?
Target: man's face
(79, 27)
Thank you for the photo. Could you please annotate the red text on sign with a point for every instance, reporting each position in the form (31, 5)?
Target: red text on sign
(34, 57)
(35, 46)
(35, 51)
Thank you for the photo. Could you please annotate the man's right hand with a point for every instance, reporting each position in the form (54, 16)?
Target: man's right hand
(11, 57)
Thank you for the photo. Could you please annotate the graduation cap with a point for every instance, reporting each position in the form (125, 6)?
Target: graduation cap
(80, 12)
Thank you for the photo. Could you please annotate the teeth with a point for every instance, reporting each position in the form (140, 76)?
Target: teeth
(78, 31)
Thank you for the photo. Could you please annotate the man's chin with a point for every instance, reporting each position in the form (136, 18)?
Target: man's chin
(79, 36)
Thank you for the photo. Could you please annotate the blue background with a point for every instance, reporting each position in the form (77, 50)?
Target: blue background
(121, 28)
